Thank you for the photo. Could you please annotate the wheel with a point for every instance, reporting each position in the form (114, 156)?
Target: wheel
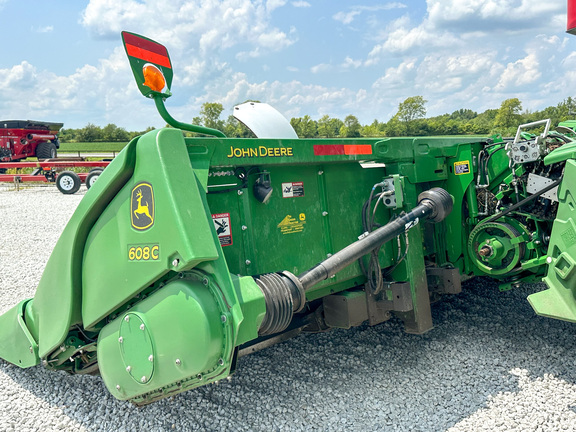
(68, 182)
(92, 177)
(46, 150)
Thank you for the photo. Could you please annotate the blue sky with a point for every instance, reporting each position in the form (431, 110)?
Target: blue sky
(63, 61)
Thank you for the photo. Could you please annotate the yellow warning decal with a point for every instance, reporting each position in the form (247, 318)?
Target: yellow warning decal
(291, 225)
(462, 167)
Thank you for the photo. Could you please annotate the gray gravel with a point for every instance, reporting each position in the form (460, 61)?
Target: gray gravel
(490, 364)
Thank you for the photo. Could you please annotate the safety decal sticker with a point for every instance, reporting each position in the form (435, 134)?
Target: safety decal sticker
(142, 206)
(292, 190)
(222, 226)
(462, 167)
(291, 225)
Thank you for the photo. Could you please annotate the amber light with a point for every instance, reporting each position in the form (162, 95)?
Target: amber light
(154, 78)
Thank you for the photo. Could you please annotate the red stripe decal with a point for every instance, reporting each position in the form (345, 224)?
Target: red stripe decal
(146, 44)
(328, 150)
(149, 56)
(342, 149)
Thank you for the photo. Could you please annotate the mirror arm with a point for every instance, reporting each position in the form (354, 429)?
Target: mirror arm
(159, 100)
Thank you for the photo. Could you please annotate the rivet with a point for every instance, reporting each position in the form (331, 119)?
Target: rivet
(142, 327)
(324, 213)
(549, 260)
(248, 262)
(151, 358)
(120, 339)
(199, 377)
(118, 387)
(143, 379)
(128, 368)
(320, 172)
(205, 281)
(178, 362)
(240, 192)
(244, 227)
(31, 350)
(221, 362)
(223, 318)
(127, 318)
(175, 263)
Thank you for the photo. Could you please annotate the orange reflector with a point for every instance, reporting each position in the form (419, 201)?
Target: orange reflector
(153, 78)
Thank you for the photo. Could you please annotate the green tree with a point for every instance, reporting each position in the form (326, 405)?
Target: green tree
(351, 127)
(412, 109)
(210, 115)
(90, 133)
(508, 115)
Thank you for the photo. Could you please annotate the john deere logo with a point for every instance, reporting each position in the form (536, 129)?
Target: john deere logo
(142, 206)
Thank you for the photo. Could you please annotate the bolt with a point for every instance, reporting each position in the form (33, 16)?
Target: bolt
(127, 318)
(199, 377)
(324, 213)
(151, 358)
(62, 348)
(205, 281)
(143, 379)
(320, 172)
(549, 260)
(244, 227)
(240, 192)
(118, 387)
(142, 327)
(248, 262)
(120, 339)
(175, 263)
(328, 255)
(44, 362)
(31, 350)
(223, 318)
(178, 362)
(128, 369)
(221, 362)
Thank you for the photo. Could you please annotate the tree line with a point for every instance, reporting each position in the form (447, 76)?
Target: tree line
(409, 120)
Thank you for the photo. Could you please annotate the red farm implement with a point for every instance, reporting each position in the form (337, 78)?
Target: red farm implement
(51, 170)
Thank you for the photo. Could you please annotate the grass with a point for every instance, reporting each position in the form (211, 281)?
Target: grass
(95, 147)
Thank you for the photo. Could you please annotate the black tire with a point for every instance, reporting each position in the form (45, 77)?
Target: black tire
(92, 177)
(46, 150)
(68, 182)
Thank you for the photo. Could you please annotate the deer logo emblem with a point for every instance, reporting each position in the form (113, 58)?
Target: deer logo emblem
(142, 206)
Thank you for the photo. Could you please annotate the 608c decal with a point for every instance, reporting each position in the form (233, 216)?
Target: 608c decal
(144, 252)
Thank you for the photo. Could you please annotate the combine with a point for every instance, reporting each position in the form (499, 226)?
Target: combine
(190, 252)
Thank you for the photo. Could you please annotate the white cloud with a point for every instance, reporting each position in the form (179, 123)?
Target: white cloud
(45, 29)
(320, 68)
(210, 27)
(346, 17)
(301, 4)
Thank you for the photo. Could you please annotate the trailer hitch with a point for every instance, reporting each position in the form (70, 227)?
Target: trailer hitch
(284, 292)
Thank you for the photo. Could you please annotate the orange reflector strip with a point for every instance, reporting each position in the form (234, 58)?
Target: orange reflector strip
(149, 56)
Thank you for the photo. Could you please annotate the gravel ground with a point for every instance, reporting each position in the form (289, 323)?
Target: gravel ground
(489, 364)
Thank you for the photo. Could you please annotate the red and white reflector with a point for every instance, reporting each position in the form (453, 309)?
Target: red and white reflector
(571, 24)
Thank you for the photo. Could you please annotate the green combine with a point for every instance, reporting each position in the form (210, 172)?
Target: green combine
(190, 252)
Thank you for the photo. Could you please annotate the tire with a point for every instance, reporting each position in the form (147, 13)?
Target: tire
(92, 177)
(46, 150)
(68, 182)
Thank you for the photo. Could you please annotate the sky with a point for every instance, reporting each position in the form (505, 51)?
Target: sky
(63, 61)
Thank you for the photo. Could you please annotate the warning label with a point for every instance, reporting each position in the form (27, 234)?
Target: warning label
(462, 167)
(291, 225)
(222, 226)
(292, 190)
